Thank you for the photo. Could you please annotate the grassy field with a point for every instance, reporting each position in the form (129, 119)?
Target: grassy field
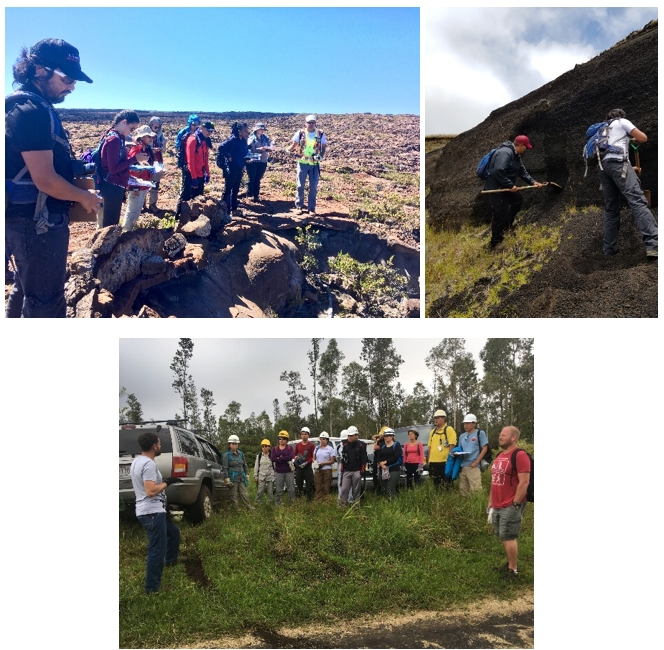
(274, 567)
(459, 264)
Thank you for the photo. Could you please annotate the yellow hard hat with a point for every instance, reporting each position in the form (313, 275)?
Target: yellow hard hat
(265, 441)
(283, 434)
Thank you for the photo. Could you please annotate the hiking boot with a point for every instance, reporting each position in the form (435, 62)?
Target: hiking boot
(510, 575)
(237, 213)
(651, 252)
(496, 248)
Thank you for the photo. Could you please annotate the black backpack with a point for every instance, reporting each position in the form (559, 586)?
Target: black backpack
(530, 492)
(488, 457)
(182, 151)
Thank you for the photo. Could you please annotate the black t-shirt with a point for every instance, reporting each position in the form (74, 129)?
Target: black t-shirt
(28, 128)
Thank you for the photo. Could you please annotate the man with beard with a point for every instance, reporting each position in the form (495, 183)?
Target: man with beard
(38, 178)
(149, 487)
(510, 475)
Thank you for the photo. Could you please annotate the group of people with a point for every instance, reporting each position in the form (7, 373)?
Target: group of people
(246, 149)
(617, 178)
(285, 466)
(40, 168)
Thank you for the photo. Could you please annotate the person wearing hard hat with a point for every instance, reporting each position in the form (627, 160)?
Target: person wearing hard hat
(379, 441)
(441, 439)
(325, 457)
(389, 459)
(304, 456)
(476, 444)
(309, 144)
(343, 441)
(354, 460)
(235, 472)
(264, 473)
(282, 457)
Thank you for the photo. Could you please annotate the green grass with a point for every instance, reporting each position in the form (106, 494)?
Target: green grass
(275, 567)
(458, 261)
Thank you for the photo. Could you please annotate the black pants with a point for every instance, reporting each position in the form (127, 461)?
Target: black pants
(255, 172)
(411, 472)
(187, 192)
(232, 187)
(113, 196)
(504, 207)
(303, 474)
(437, 471)
(41, 265)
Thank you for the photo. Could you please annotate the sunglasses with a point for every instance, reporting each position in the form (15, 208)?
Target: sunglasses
(68, 81)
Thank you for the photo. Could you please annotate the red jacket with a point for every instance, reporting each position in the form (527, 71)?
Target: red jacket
(142, 148)
(197, 161)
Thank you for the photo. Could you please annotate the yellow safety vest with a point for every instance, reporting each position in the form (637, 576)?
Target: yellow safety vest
(311, 146)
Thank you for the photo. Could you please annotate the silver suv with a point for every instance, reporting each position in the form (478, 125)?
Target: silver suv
(183, 454)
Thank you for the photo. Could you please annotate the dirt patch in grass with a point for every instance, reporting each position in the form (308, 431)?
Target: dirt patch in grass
(491, 623)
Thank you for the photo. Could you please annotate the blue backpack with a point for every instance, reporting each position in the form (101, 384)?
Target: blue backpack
(483, 167)
(597, 143)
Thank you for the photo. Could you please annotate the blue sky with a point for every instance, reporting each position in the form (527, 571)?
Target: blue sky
(478, 59)
(339, 60)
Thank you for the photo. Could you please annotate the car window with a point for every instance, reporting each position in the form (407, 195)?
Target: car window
(129, 441)
(208, 452)
(188, 444)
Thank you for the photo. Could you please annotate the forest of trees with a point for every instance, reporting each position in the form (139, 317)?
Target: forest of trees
(368, 394)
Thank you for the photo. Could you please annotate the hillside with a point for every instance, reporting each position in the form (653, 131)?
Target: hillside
(553, 266)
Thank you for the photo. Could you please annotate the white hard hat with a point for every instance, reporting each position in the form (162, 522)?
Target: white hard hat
(325, 434)
(234, 439)
(388, 432)
(311, 118)
(352, 431)
(344, 435)
(305, 429)
(470, 418)
(440, 414)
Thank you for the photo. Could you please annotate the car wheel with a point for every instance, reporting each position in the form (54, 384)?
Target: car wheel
(202, 509)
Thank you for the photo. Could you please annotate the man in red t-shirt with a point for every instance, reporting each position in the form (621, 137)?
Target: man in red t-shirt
(304, 456)
(508, 495)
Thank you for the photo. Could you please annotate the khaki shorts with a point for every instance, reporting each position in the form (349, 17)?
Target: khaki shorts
(507, 522)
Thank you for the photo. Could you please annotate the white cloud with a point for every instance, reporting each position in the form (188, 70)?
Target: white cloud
(478, 59)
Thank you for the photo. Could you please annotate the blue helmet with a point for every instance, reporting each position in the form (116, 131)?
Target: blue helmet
(193, 118)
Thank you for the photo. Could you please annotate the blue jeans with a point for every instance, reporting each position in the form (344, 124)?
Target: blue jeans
(163, 547)
(41, 264)
(303, 172)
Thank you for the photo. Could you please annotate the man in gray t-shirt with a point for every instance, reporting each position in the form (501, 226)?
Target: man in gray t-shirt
(163, 535)
(618, 177)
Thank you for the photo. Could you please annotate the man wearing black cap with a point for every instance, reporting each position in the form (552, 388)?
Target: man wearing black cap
(505, 165)
(38, 178)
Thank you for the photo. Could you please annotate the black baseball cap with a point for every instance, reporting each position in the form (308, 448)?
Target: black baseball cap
(208, 125)
(56, 53)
